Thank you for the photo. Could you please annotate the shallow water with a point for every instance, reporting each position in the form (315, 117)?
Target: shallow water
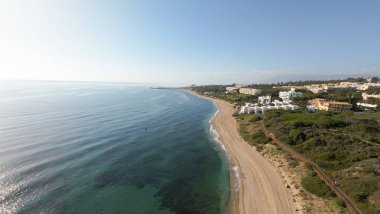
(108, 148)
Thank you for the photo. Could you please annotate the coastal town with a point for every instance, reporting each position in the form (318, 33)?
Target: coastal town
(287, 97)
(322, 137)
(360, 96)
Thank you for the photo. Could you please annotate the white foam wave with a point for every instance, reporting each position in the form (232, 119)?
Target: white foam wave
(235, 169)
(236, 185)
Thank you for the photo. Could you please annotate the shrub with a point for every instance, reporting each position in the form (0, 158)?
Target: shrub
(296, 136)
(341, 203)
(316, 186)
(254, 118)
(260, 138)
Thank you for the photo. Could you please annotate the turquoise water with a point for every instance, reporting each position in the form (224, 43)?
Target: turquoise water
(108, 148)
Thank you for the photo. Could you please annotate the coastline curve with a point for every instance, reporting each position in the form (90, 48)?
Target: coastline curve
(260, 188)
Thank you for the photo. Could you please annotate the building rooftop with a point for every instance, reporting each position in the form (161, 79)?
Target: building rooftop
(330, 102)
(339, 103)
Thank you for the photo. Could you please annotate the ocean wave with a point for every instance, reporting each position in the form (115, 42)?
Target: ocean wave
(214, 133)
(236, 185)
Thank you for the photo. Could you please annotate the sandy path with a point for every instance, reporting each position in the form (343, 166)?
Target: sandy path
(261, 189)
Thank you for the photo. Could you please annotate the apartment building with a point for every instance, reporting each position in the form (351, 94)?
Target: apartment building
(232, 89)
(255, 108)
(367, 105)
(366, 96)
(325, 105)
(265, 99)
(288, 96)
(250, 91)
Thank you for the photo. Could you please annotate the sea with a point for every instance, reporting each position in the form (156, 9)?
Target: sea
(74, 147)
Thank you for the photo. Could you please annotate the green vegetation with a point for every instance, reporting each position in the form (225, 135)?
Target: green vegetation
(310, 82)
(375, 116)
(249, 128)
(211, 89)
(260, 138)
(315, 185)
(267, 89)
(373, 91)
(219, 91)
(345, 145)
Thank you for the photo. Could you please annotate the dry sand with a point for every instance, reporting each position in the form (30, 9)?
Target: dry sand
(258, 187)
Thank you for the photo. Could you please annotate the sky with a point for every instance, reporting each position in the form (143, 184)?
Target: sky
(181, 42)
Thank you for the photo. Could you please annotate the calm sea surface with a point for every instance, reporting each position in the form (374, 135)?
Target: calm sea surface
(98, 148)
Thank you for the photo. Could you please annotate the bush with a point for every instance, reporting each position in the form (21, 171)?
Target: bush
(284, 139)
(254, 118)
(293, 162)
(296, 136)
(361, 196)
(260, 138)
(341, 203)
(316, 186)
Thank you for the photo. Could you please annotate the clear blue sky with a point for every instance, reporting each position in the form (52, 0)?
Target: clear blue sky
(188, 41)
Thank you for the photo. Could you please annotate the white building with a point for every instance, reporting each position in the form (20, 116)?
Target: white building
(232, 89)
(366, 96)
(254, 108)
(250, 91)
(265, 99)
(288, 96)
(311, 108)
(316, 89)
(367, 105)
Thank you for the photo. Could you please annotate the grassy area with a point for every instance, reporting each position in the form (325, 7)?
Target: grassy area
(249, 128)
(315, 185)
(375, 116)
(345, 145)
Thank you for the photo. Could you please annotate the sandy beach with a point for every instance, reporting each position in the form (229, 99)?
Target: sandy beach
(258, 187)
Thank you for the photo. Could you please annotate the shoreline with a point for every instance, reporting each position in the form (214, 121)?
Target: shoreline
(234, 176)
(258, 186)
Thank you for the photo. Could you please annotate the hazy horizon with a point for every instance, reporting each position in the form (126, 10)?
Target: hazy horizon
(184, 42)
(284, 79)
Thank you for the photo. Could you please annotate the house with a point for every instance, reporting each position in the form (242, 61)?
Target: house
(288, 96)
(366, 96)
(325, 105)
(254, 108)
(250, 91)
(232, 89)
(264, 99)
(367, 105)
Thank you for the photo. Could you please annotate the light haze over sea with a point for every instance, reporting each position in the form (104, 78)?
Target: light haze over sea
(108, 148)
